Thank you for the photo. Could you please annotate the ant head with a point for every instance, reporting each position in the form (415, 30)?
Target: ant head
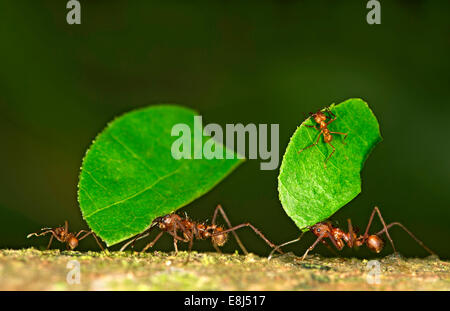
(72, 242)
(320, 228)
(375, 243)
(167, 221)
(319, 116)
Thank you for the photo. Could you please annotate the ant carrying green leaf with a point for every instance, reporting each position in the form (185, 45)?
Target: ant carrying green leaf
(325, 230)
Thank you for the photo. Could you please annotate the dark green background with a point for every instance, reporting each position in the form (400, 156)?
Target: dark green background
(258, 62)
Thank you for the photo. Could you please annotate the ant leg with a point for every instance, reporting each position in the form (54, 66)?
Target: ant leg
(312, 126)
(410, 233)
(152, 242)
(334, 149)
(142, 235)
(84, 236)
(312, 246)
(345, 136)
(329, 111)
(39, 234)
(333, 240)
(175, 241)
(224, 215)
(50, 242)
(351, 233)
(47, 230)
(284, 244)
(80, 232)
(216, 248)
(366, 234)
(66, 226)
(320, 238)
(254, 229)
(191, 242)
(331, 119)
(175, 246)
(187, 235)
(176, 238)
(98, 242)
(133, 241)
(331, 250)
(90, 233)
(317, 141)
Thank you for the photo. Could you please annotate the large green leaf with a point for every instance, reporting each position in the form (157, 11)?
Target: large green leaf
(308, 191)
(129, 176)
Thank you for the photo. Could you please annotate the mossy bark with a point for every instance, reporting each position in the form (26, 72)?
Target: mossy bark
(32, 269)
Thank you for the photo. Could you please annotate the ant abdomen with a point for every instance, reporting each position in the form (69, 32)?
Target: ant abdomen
(375, 243)
(220, 239)
(72, 242)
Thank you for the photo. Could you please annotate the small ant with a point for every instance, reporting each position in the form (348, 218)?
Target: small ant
(320, 118)
(63, 235)
(191, 230)
(337, 236)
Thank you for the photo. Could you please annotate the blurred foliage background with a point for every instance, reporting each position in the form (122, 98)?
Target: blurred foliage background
(233, 61)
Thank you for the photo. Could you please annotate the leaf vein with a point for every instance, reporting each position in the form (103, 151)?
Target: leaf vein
(139, 192)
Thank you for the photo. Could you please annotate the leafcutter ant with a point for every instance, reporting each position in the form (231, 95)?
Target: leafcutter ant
(321, 119)
(339, 238)
(63, 235)
(190, 230)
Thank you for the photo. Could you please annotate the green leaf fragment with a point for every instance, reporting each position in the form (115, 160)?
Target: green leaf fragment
(129, 177)
(311, 193)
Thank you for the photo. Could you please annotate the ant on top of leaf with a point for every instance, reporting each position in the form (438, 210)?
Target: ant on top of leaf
(323, 120)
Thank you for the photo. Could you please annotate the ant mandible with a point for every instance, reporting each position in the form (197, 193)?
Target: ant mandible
(63, 235)
(191, 230)
(321, 119)
(337, 236)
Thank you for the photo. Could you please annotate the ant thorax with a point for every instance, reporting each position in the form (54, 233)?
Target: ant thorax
(61, 234)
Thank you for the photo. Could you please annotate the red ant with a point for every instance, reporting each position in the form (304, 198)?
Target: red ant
(320, 118)
(172, 223)
(63, 235)
(337, 236)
